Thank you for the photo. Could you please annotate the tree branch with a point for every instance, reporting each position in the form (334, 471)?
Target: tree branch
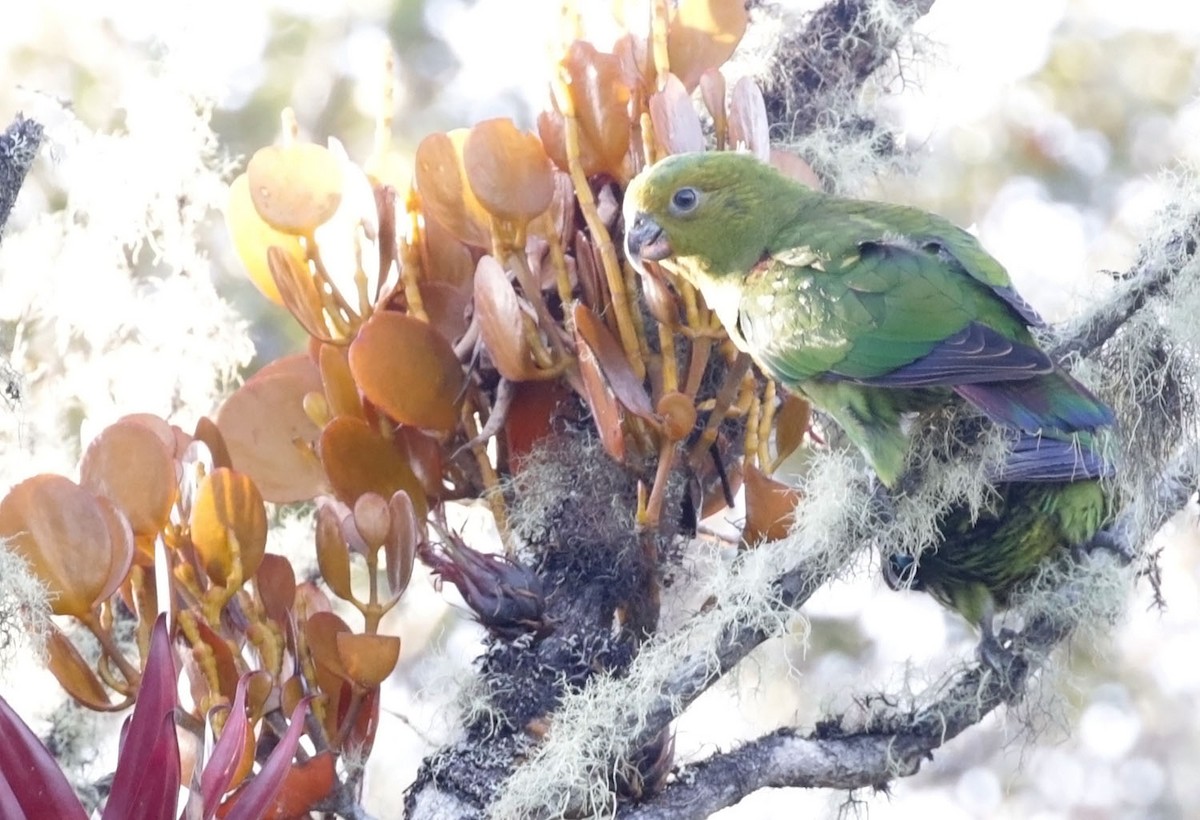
(18, 147)
(893, 745)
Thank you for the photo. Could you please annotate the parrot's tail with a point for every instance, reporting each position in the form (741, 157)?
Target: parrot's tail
(1053, 401)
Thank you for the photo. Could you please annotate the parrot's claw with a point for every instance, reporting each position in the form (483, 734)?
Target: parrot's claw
(1107, 541)
(994, 650)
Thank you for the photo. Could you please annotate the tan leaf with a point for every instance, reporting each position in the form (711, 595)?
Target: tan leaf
(408, 370)
(129, 465)
(508, 170)
(268, 434)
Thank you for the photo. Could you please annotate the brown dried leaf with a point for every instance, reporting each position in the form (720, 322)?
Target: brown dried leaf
(591, 331)
(227, 516)
(408, 370)
(295, 187)
(770, 507)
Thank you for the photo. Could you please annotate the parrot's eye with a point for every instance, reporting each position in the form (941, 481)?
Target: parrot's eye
(685, 200)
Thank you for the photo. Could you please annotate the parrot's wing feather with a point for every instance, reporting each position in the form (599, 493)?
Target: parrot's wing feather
(974, 354)
(961, 250)
(1042, 458)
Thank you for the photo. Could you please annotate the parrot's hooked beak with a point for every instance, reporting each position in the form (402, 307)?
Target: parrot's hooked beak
(645, 241)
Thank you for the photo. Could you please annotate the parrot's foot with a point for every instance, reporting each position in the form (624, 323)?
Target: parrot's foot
(1107, 541)
(995, 651)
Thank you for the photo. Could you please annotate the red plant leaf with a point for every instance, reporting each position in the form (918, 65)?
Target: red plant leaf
(226, 755)
(140, 790)
(258, 798)
(31, 784)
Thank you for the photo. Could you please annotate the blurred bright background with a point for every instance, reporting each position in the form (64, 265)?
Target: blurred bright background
(1055, 128)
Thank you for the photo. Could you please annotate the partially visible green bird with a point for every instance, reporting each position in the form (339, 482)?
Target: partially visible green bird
(870, 310)
(981, 562)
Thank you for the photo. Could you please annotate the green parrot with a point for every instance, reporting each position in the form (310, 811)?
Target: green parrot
(980, 562)
(872, 311)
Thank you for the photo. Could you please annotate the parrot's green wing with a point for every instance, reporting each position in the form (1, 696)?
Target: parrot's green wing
(886, 296)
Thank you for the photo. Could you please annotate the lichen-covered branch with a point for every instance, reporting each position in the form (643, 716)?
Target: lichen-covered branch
(18, 147)
(892, 744)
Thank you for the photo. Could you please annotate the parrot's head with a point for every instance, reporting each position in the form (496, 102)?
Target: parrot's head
(708, 216)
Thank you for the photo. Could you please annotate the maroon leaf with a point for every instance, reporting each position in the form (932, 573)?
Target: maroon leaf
(140, 790)
(258, 796)
(223, 763)
(31, 784)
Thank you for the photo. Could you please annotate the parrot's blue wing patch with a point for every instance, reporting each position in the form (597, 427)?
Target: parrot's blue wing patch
(973, 355)
(1047, 401)
(1041, 458)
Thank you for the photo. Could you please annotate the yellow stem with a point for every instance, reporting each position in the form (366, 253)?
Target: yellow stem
(608, 254)
(411, 258)
(562, 277)
(658, 39)
(133, 677)
(766, 419)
